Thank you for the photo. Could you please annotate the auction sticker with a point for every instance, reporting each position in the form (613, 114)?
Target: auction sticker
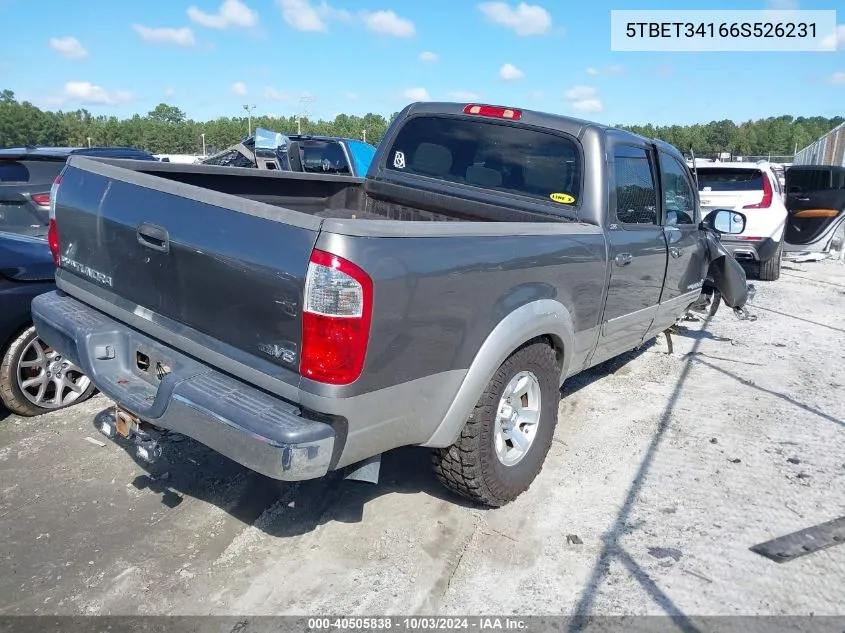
(563, 198)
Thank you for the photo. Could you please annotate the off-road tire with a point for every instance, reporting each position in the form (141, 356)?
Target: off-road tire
(10, 392)
(770, 269)
(470, 466)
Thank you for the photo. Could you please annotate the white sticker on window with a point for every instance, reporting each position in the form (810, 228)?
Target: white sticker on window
(399, 160)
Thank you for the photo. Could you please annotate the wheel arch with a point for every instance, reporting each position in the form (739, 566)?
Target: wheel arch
(546, 319)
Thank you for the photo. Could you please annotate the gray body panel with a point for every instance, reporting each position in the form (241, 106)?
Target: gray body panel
(452, 299)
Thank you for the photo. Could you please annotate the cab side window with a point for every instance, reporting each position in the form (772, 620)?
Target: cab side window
(636, 196)
(678, 196)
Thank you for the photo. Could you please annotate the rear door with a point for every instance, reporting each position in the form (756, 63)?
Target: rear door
(687, 263)
(815, 202)
(638, 251)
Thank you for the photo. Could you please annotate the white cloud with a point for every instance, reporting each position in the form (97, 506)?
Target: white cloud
(68, 47)
(87, 93)
(524, 19)
(835, 41)
(351, 96)
(592, 71)
(837, 78)
(303, 16)
(169, 92)
(428, 56)
(416, 94)
(388, 23)
(231, 13)
(165, 35)
(583, 99)
(782, 5)
(239, 88)
(509, 72)
(460, 95)
(276, 95)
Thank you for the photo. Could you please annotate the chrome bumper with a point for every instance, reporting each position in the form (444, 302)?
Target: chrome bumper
(259, 431)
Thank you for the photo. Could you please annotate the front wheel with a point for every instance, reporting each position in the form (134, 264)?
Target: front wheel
(35, 379)
(504, 442)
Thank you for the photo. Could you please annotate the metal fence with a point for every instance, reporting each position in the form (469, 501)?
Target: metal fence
(828, 150)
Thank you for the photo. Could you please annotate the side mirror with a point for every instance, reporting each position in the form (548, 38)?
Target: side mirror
(724, 221)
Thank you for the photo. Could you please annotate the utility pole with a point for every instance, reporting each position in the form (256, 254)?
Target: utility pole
(303, 112)
(364, 132)
(203, 144)
(89, 141)
(249, 109)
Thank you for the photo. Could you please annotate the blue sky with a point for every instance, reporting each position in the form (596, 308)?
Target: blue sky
(210, 57)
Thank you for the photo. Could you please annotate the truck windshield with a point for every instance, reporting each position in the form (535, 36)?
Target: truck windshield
(489, 155)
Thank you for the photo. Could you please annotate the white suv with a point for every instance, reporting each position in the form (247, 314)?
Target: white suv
(752, 189)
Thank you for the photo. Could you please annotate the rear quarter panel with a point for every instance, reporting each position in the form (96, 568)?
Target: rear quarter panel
(436, 299)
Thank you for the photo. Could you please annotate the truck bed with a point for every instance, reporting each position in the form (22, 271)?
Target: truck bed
(329, 196)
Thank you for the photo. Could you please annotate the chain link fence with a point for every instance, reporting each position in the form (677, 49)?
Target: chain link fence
(828, 150)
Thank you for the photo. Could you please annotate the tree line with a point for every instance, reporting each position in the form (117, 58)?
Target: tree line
(167, 130)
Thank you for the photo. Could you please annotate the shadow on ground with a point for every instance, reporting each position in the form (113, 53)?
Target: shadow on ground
(189, 469)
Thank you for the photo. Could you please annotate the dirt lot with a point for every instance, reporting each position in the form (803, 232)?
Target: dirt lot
(666, 467)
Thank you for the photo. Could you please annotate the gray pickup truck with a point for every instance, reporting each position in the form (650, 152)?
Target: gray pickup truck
(301, 324)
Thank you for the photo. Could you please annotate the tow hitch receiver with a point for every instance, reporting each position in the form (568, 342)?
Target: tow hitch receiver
(118, 421)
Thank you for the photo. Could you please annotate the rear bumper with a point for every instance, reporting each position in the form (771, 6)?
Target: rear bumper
(751, 250)
(257, 430)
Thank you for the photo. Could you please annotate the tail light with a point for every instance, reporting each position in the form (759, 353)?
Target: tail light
(335, 319)
(766, 202)
(41, 199)
(495, 112)
(52, 229)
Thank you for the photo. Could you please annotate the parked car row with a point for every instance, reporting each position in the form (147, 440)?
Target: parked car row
(807, 216)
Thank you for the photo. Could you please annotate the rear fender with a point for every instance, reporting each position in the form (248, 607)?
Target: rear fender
(545, 317)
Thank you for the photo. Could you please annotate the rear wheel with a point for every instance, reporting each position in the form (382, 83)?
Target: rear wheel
(35, 379)
(770, 269)
(504, 442)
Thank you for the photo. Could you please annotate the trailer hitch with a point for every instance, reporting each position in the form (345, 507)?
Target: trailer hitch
(118, 421)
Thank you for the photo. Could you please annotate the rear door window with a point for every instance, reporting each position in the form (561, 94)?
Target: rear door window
(494, 156)
(714, 179)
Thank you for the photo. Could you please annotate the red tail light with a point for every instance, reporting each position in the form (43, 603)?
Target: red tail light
(41, 199)
(493, 111)
(335, 319)
(53, 240)
(53, 229)
(766, 202)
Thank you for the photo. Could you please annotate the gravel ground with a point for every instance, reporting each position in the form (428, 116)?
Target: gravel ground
(664, 471)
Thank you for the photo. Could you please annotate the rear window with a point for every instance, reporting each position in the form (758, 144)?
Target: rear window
(324, 157)
(710, 179)
(13, 171)
(493, 156)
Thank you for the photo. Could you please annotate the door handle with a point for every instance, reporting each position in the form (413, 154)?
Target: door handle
(675, 252)
(623, 259)
(153, 237)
